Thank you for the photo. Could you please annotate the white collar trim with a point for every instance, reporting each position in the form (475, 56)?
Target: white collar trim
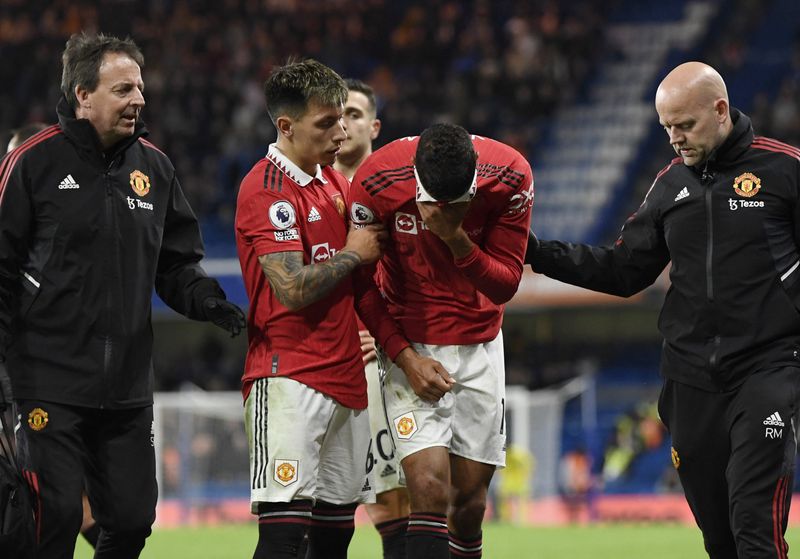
(290, 169)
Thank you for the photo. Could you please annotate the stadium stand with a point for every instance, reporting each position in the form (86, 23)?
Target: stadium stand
(482, 64)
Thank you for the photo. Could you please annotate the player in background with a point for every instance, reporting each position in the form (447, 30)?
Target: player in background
(458, 209)
(363, 126)
(304, 386)
(390, 511)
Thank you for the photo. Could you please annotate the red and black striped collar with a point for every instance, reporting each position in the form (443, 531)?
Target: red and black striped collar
(287, 167)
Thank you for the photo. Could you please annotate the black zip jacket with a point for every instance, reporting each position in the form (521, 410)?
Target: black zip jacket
(731, 229)
(84, 238)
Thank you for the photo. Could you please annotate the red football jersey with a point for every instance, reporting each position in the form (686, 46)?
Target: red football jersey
(435, 298)
(280, 208)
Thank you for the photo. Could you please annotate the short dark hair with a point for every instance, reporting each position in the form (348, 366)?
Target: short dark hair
(83, 56)
(369, 93)
(19, 135)
(289, 88)
(445, 161)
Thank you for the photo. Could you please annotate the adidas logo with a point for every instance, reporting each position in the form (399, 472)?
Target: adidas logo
(682, 194)
(67, 183)
(388, 470)
(313, 215)
(367, 486)
(774, 419)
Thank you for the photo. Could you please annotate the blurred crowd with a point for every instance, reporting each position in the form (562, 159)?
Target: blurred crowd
(636, 432)
(495, 67)
(776, 112)
(779, 117)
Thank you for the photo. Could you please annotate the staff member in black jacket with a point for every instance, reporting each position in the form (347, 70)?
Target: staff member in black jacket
(91, 218)
(726, 213)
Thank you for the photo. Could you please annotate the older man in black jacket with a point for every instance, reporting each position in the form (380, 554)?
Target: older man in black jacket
(726, 213)
(91, 218)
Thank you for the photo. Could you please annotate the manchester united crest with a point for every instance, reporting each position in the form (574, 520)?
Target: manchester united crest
(37, 419)
(405, 426)
(140, 183)
(286, 471)
(339, 202)
(676, 460)
(747, 185)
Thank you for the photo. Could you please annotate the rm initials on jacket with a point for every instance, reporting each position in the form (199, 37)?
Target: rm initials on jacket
(67, 183)
(774, 419)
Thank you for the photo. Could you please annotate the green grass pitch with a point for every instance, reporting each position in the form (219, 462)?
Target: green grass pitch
(645, 541)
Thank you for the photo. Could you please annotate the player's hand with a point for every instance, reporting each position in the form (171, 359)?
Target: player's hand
(443, 221)
(533, 246)
(6, 396)
(224, 314)
(368, 242)
(427, 377)
(367, 346)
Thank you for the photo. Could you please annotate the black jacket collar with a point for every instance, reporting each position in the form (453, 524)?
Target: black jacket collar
(81, 133)
(734, 146)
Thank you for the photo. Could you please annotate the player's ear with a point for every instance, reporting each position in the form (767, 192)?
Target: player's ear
(284, 126)
(376, 129)
(721, 108)
(82, 95)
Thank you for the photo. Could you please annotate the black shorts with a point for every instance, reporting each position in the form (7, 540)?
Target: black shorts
(109, 453)
(735, 455)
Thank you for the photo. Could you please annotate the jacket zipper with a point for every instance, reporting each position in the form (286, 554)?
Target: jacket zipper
(110, 260)
(706, 179)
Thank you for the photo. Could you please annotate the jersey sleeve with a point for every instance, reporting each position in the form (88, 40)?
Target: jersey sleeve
(267, 219)
(371, 309)
(495, 268)
(362, 209)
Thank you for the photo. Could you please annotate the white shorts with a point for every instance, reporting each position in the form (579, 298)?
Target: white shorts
(386, 472)
(469, 420)
(304, 445)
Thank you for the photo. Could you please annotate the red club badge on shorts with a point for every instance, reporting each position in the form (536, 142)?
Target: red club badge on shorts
(140, 183)
(286, 471)
(405, 426)
(37, 419)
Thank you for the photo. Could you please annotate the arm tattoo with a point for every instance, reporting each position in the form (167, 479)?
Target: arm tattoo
(297, 285)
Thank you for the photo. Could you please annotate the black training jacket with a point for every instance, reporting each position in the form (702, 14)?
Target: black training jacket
(731, 229)
(84, 238)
